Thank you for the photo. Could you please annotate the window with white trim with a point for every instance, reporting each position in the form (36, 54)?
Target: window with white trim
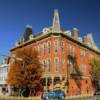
(48, 46)
(48, 65)
(71, 50)
(63, 63)
(83, 69)
(62, 46)
(40, 49)
(71, 66)
(44, 47)
(56, 61)
(82, 54)
(56, 46)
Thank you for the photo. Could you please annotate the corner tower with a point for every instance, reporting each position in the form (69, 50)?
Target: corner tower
(56, 22)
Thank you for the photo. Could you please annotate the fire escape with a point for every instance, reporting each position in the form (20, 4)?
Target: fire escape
(74, 71)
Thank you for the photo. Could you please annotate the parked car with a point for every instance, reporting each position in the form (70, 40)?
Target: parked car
(55, 94)
(97, 93)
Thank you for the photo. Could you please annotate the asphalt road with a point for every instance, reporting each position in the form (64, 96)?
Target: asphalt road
(86, 98)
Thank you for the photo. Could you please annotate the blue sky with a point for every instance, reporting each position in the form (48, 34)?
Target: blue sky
(16, 14)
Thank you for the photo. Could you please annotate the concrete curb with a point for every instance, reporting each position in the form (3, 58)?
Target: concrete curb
(27, 98)
(78, 97)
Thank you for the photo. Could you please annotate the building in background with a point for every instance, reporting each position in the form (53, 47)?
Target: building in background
(3, 75)
(66, 55)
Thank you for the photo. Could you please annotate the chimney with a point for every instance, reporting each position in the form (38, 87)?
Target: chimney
(27, 33)
(75, 33)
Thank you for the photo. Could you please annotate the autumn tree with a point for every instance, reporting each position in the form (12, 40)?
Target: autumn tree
(26, 72)
(96, 69)
(95, 63)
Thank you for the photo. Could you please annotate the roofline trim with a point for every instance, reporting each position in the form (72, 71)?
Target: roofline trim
(42, 36)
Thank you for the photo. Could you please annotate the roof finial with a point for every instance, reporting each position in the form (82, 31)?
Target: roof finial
(56, 22)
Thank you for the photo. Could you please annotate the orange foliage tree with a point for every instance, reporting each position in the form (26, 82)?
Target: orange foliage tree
(25, 73)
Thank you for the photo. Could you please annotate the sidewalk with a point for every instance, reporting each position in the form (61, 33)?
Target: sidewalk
(80, 97)
(19, 98)
(39, 98)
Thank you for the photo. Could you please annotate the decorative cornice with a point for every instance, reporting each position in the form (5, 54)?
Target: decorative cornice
(42, 36)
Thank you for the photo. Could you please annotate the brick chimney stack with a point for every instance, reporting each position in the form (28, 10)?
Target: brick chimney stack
(75, 33)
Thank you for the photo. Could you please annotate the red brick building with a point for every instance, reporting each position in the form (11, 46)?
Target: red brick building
(67, 57)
